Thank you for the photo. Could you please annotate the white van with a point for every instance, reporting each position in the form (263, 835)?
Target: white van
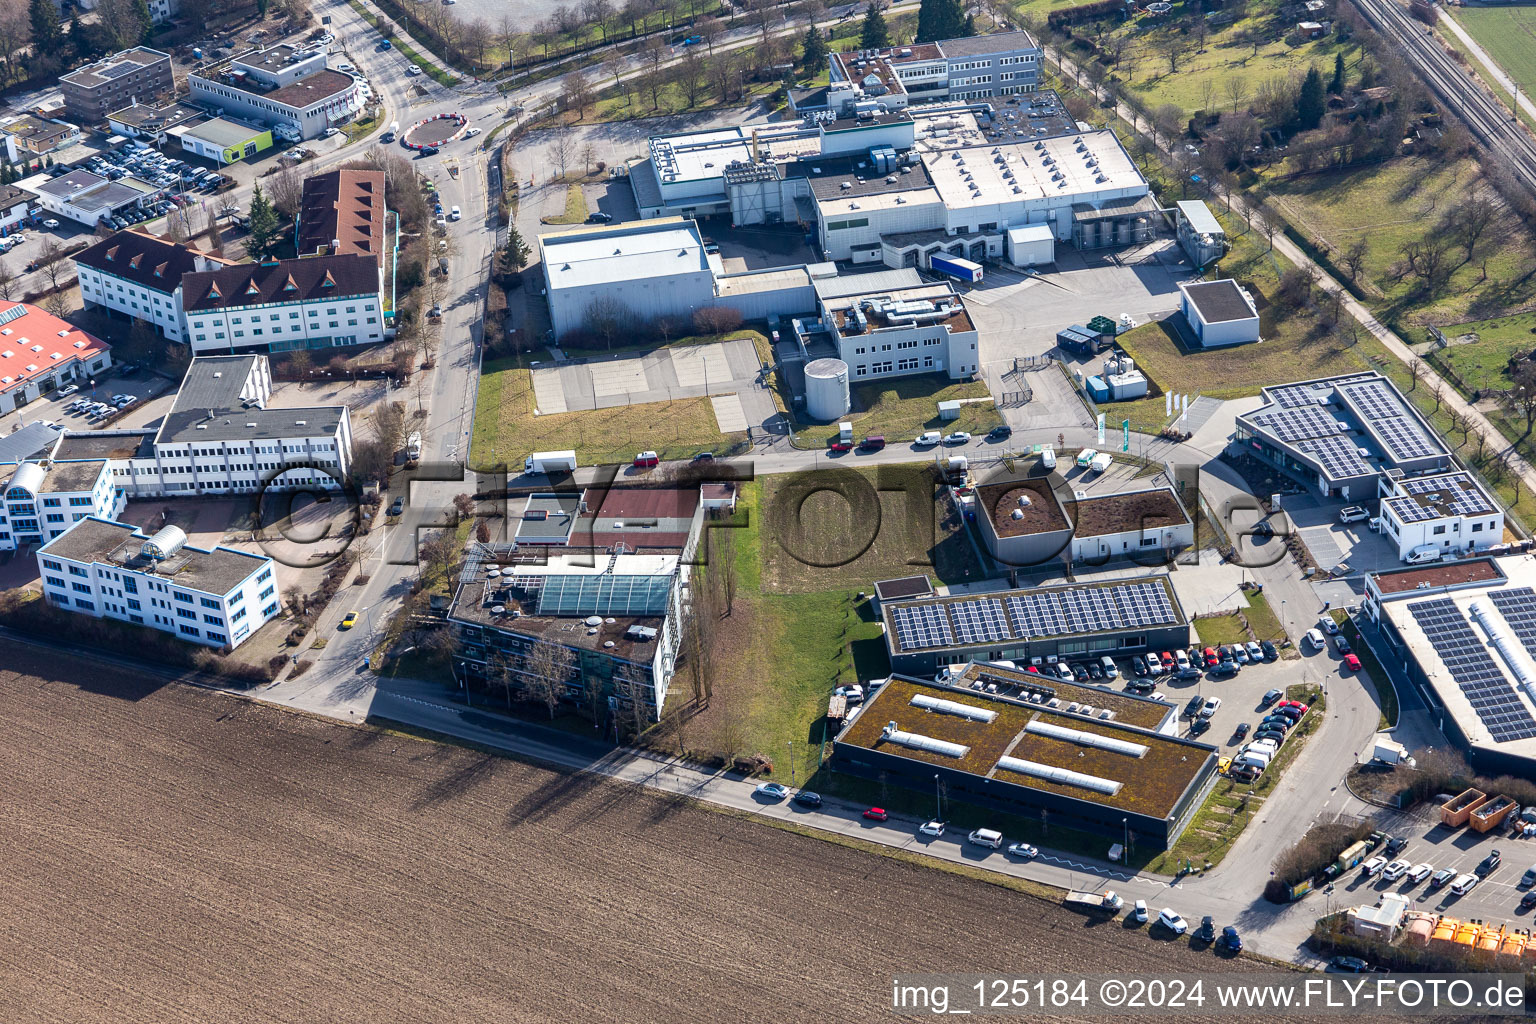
(928, 439)
(1047, 457)
(1422, 554)
(986, 837)
(1315, 638)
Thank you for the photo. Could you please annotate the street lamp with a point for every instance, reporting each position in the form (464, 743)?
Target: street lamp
(938, 806)
(1126, 823)
(791, 762)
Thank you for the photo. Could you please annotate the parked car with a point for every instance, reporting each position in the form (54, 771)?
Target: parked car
(957, 437)
(770, 791)
(808, 799)
(1199, 726)
(1230, 940)
(1242, 730)
(598, 217)
(999, 432)
(1170, 919)
(873, 443)
(1270, 653)
(1349, 964)
(1328, 626)
(1353, 514)
(838, 444)
(1139, 913)
(877, 814)
(1341, 643)
(1240, 654)
(1441, 877)
(1299, 707)
(1352, 662)
(1022, 850)
(647, 460)
(1255, 652)
(398, 507)
(1419, 872)
(1464, 884)
(1487, 864)
(1210, 707)
(1207, 930)
(68, 389)
(931, 828)
(928, 438)
(50, 223)
(1370, 868)
(704, 457)
(1397, 869)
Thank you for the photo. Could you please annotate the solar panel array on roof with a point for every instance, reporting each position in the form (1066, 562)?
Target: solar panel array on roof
(1464, 497)
(1040, 613)
(922, 625)
(1293, 424)
(1518, 606)
(1466, 658)
(604, 595)
(979, 622)
(1379, 405)
(1338, 455)
(1410, 511)
(1295, 396)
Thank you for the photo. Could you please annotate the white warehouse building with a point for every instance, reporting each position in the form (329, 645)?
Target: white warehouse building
(892, 324)
(641, 271)
(289, 89)
(107, 569)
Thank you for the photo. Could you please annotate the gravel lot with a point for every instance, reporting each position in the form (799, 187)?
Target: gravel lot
(177, 855)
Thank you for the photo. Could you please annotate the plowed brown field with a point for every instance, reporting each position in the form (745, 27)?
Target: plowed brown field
(173, 855)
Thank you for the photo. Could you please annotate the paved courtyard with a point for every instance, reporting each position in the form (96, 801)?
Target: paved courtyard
(727, 371)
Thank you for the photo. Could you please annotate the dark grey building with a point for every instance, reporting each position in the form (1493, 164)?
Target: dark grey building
(112, 83)
(1033, 625)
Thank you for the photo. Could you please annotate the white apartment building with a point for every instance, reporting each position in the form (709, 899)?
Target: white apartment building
(139, 275)
(280, 305)
(107, 569)
(44, 499)
(1448, 511)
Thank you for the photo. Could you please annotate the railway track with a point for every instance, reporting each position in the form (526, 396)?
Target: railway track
(1484, 116)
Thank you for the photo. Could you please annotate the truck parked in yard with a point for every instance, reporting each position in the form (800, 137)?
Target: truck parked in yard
(1388, 751)
(550, 462)
(956, 267)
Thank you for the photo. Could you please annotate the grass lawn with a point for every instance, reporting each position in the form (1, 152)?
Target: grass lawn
(575, 208)
(1509, 36)
(1405, 200)
(842, 528)
(506, 428)
(901, 409)
(359, 128)
(1480, 362)
(1262, 619)
(1216, 630)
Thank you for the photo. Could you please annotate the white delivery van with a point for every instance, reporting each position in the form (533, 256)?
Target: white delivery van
(928, 439)
(413, 445)
(1422, 554)
(1047, 457)
(986, 837)
(1315, 638)
(1100, 463)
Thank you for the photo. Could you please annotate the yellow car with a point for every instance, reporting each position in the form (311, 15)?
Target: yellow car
(349, 621)
(1222, 764)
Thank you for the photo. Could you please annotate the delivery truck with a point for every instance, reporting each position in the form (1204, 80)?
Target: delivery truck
(550, 462)
(1390, 752)
(956, 267)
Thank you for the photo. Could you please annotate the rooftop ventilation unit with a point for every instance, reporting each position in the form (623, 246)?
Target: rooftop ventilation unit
(1088, 739)
(1051, 773)
(891, 734)
(952, 707)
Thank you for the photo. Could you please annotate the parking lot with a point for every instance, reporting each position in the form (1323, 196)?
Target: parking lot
(1496, 898)
(54, 406)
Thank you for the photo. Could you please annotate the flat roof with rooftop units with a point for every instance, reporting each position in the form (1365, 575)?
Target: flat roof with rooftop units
(1079, 757)
(1046, 169)
(214, 571)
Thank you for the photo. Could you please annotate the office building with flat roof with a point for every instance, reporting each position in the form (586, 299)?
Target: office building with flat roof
(139, 75)
(285, 88)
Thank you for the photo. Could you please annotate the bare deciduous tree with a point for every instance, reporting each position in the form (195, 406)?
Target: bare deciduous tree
(549, 668)
(1237, 91)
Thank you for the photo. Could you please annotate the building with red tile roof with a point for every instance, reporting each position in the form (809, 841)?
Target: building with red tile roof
(40, 352)
(342, 211)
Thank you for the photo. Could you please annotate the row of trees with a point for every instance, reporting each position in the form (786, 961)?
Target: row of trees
(36, 43)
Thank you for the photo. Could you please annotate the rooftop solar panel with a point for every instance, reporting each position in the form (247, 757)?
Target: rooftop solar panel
(979, 622)
(1410, 511)
(1338, 455)
(1293, 424)
(922, 625)
(1472, 668)
(1380, 406)
(1458, 490)
(1041, 613)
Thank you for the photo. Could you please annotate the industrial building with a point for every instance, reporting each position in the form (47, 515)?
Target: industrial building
(880, 330)
(223, 140)
(1465, 634)
(620, 519)
(1339, 436)
(641, 271)
(1033, 626)
(216, 597)
(152, 121)
(898, 186)
(139, 75)
(1199, 232)
(1220, 313)
(285, 88)
(39, 352)
(1069, 756)
(281, 305)
(138, 274)
(864, 82)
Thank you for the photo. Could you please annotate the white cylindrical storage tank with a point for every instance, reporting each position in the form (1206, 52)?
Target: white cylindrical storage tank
(826, 389)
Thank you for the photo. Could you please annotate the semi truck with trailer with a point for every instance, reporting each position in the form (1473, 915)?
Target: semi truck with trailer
(956, 267)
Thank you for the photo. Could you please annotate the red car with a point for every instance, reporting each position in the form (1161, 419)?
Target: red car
(1211, 658)
(840, 446)
(1352, 662)
(647, 460)
(1167, 659)
(1298, 705)
(876, 814)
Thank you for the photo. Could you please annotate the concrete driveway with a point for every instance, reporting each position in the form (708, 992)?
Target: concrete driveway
(1332, 542)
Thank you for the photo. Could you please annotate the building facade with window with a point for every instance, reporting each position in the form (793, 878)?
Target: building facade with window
(216, 597)
(289, 89)
(898, 332)
(280, 305)
(139, 275)
(43, 499)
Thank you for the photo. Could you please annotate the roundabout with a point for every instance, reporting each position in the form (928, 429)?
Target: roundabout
(437, 130)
